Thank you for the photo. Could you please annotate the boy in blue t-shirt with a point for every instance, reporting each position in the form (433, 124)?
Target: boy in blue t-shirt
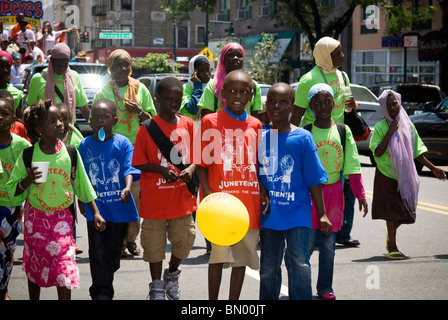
(290, 171)
(107, 158)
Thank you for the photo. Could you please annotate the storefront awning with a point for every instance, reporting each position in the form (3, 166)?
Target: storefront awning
(283, 39)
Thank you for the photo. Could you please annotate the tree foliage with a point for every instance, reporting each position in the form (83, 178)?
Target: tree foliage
(261, 70)
(155, 63)
(401, 16)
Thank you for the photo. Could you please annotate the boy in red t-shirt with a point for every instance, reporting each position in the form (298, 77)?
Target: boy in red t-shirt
(228, 163)
(166, 204)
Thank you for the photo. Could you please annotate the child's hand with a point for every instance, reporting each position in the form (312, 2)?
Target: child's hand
(170, 176)
(439, 173)
(187, 174)
(99, 222)
(33, 175)
(325, 224)
(265, 200)
(363, 204)
(125, 195)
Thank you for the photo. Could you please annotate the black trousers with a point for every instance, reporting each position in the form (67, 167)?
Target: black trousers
(104, 254)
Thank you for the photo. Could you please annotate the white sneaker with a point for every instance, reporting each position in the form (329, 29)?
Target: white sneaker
(157, 290)
(172, 283)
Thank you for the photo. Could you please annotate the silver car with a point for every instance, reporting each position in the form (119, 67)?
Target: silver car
(370, 110)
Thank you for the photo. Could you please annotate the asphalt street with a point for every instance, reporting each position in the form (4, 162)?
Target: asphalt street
(361, 273)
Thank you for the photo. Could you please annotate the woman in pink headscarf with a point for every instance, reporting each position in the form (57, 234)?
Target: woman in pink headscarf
(395, 144)
(59, 83)
(231, 58)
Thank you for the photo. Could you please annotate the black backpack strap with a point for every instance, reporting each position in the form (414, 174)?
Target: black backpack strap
(28, 157)
(342, 135)
(308, 127)
(165, 146)
(72, 152)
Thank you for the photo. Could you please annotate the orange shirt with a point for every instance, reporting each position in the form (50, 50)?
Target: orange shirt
(229, 152)
(159, 199)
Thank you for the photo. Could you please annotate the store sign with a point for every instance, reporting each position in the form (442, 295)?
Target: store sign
(410, 41)
(433, 46)
(392, 41)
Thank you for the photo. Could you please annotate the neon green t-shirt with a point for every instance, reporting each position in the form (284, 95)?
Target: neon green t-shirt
(16, 94)
(187, 92)
(207, 100)
(75, 138)
(57, 193)
(331, 154)
(36, 91)
(383, 162)
(8, 163)
(128, 126)
(335, 80)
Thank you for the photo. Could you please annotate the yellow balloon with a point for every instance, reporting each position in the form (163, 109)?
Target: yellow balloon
(222, 219)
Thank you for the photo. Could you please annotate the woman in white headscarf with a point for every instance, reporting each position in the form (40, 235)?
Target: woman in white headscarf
(328, 57)
(200, 73)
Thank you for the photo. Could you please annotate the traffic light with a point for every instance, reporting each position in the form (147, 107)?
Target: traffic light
(85, 36)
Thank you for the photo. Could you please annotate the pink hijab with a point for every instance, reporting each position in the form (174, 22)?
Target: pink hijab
(401, 149)
(220, 74)
(61, 51)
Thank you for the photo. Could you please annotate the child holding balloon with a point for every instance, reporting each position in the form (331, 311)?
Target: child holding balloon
(285, 152)
(231, 167)
(167, 204)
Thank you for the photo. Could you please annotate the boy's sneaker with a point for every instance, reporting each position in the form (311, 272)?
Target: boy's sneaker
(157, 290)
(172, 283)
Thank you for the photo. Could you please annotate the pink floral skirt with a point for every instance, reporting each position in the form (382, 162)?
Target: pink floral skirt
(49, 257)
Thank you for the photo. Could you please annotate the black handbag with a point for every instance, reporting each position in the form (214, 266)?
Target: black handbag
(165, 146)
(354, 121)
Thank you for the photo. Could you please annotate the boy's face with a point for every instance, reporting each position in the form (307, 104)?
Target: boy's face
(237, 91)
(204, 73)
(169, 101)
(102, 116)
(6, 116)
(322, 104)
(279, 102)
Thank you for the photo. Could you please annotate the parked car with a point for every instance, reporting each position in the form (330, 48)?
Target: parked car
(413, 95)
(369, 109)
(151, 81)
(93, 77)
(264, 89)
(432, 127)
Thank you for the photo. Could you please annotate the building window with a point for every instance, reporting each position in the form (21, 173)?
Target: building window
(182, 37)
(112, 5)
(200, 34)
(126, 4)
(126, 42)
(387, 66)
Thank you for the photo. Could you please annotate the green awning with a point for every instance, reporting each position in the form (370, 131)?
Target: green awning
(250, 42)
(283, 39)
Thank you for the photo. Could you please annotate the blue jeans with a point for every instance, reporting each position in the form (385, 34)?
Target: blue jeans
(326, 258)
(297, 261)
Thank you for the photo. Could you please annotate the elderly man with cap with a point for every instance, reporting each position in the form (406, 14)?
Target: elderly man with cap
(59, 83)
(328, 56)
